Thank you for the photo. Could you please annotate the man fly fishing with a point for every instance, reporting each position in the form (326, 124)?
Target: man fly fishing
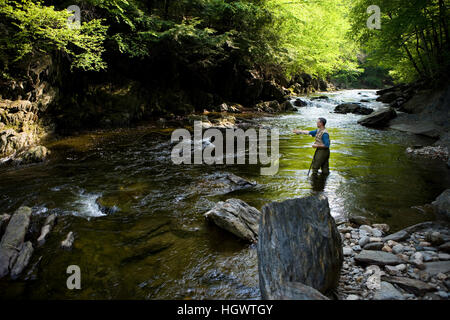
(322, 146)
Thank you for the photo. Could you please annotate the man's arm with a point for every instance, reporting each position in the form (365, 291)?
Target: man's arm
(301, 131)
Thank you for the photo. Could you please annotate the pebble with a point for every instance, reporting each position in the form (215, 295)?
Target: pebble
(386, 248)
(352, 297)
(68, 242)
(363, 241)
(392, 243)
(382, 227)
(356, 248)
(347, 251)
(441, 276)
(375, 239)
(398, 248)
(348, 235)
(391, 270)
(401, 267)
(418, 258)
(374, 281)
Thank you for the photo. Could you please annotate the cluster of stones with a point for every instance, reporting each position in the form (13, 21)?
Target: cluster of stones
(16, 245)
(411, 264)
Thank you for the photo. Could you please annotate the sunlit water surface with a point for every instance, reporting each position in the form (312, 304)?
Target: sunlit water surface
(156, 244)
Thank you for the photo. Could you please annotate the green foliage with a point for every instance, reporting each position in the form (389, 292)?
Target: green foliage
(32, 29)
(413, 39)
(314, 35)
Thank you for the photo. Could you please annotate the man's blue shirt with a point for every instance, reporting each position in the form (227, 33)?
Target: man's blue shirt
(325, 137)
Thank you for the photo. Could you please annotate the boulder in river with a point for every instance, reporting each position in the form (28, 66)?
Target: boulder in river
(300, 103)
(442, 205)
(237, 217)
(287, 106)
(13, 238)
(298, 242)
(355, 108)
(378, 118)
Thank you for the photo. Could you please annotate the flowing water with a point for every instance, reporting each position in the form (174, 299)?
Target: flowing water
(154, 242)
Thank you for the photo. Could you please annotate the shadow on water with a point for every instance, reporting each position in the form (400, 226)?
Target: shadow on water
(156, 244)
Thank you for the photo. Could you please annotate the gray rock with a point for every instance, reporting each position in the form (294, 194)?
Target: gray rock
(22, 260)
(436, 267)
(378, 118)
(388, 292)
(363, 241)
(374, 246)
(398, 248)
(398, 236)
(414, 286)
(298, 242)
(67, 243)
(237, 217)
(347, 251)
(297, 291)
(13, 238)
(377, 258)
(442, 205)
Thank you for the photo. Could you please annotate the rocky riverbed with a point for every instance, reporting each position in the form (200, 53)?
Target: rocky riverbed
(411, 264)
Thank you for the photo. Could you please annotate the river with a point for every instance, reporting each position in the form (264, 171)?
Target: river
(155, 244)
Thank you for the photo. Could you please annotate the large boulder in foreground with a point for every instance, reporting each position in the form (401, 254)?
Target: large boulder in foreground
(237, 217)
(378, 118)
(298, 243)
(442, 205)
(12, 240)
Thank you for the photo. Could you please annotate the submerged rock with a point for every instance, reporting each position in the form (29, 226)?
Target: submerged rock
(237, 217)
(13, 238)
(378, 118)
(67, 243)
(48, 225)
(298, 242)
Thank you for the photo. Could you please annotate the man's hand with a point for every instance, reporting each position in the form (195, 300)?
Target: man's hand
(300, 131)
(319, 146)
